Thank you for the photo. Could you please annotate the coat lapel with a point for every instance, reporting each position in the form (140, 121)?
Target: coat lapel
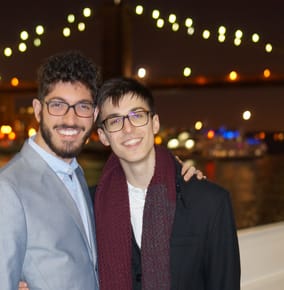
(59, 189)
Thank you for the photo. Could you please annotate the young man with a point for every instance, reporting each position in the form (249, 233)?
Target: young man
(154, 231)
(47, 233)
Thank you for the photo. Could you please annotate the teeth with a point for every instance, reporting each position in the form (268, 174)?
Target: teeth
(132, 142)
(68, 132)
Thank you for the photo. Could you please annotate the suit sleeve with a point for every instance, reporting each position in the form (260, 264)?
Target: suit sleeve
(222, 255)
(13, 237)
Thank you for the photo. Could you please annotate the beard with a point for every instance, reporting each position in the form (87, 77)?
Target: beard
(68, 149)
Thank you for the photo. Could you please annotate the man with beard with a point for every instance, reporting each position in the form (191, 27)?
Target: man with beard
(47, 233)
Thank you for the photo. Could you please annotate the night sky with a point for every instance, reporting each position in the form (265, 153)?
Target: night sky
(165, 53)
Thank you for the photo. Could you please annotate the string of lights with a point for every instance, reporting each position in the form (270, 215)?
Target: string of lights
(79, 21)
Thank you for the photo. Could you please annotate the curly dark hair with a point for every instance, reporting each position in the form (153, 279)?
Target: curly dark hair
(70, 66)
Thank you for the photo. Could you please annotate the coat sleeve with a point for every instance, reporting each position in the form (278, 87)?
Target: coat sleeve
(222, 253)
(13, 237)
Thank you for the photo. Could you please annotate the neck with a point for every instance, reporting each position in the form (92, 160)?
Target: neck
(139, 174)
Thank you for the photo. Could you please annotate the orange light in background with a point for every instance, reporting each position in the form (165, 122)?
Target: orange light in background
(266, 73)
(2, 135)
(278, 137)
(210, 134)
(15, 82)
(201, 80)
(31, 132)
(6, 129)
(261, 135)
(158, 140)
(12, 136)
(233, 76)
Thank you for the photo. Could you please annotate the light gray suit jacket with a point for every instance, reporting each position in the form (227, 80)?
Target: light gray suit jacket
(42, 237)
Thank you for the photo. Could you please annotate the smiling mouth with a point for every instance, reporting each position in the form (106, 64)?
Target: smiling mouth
(132, 142)
(68, 131)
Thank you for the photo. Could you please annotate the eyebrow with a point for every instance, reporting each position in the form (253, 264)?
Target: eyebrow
(60, 99)
(131, 110)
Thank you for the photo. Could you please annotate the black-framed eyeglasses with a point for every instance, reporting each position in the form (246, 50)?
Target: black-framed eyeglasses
(60, 108)
(136, 118)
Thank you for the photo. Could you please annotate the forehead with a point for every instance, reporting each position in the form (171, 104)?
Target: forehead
(127, 103)
(70, 92)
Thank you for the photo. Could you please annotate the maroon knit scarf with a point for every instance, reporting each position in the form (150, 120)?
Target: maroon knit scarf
(113, 226)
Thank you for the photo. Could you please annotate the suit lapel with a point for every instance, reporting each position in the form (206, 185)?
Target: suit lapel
(90, 216)
(58, 188)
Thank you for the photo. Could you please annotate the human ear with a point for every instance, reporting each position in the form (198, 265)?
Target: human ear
(102, 136)
(37, 106)
(156, 124)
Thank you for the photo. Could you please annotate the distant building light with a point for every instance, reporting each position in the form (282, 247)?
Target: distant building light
(266, 73)
(198, 125)
(238, 34)
(189, 144)
(12, 136)
(24, 35)
(183, 136)
(221, 38)
(71, 18)
(31, 132)
(37, 42)
(172, 18)
(5, 129)
(30, 110)
(233, 75)
(206, 34)
(8, 51)
(173, 143)
(190, 31)
(246, 115)
(222, 30)
(81, 26)
(158, 140)
(155, 14)
(22, 47)
(187, 71)
(255, 37)
(188, 22)
(141, 73)
(237, 41)
(39, 30)
(268, 47)
(87, 12)
(66, 31)
(160, 23)
(139, 10)
(175, 27)
(15, 82)
(210, 134)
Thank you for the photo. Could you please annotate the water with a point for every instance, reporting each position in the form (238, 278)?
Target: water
(256, 186)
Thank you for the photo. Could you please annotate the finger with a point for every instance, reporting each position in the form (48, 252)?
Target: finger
(178, 159)
(200, 175)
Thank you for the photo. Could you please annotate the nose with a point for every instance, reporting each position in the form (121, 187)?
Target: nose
(70, 116)
(127, 126)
